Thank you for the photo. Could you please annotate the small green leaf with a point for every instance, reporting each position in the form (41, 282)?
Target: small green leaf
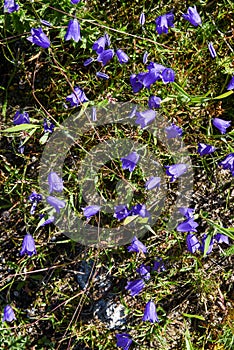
(226, 94)
(194, 316)
(21, 127)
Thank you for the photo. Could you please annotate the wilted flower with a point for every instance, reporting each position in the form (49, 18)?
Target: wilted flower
(39, 38)
(135, 83)
(122, 56)
(48, 221)
(173, 131)
(130, 161)
(105, 56)
(91, 210)
(77, 97)
(121, 212)
(212, 50)
(135, 287)
(231, 84)
(192, 16)
(140, 209)
(100, 44)
(164, 22)
(168, 75)
(21, 118)
(158, 265)
(10, 6)
(221, 124)
(209, 245)
(144, 272)
(220, 238)
(56, 203)
(187, 212)
(228, 163)
(34, 198)
(124, 341)
(142, 19)
(152, 182)
(145, 57)
(204, 149)
(187, 226)
(48, 128)
(175, 171)
(88, 61)
(73, 30)
(28, 245)
(154, 102)
(137, 246)
(145, 118)
(102, 75)
(150, 313)
(8, 314)
(192, 243)
(55, 182)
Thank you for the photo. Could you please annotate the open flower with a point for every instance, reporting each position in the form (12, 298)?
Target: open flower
(10, 6)
(188, 225)
(173, 131)
(130, 161)
(99, 44)
(150, 313)
(105, 56)
(8, 314)
(154, 102)
(73, 31)
(228, 163)
(140, 209)
(39, 38)
(164, 22)
(144, 272)
(137, 246)
(21, 118)
(192, 16)
(175, 171)
(124, 341)
(121, 212)
(135, 287)
(34, 198)
(221, 124)
(145, 118)
(77, 97)
(28, 245)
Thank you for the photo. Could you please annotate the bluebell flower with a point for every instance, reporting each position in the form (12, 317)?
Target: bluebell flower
(34, 198)
(142, 19)
(102, 75)
(168, 75)
(135, 83)
(88, 61)
(121, 212)
(203, 244)
(145, 57)
(105, 56)
(221, 124)
(45, 23)
(150, 313)
(48, 127)
(56, 203)
(153, 182)
(154, 102)
(55, 182)
(192, 16)
(175, 171)
(159, 265)
(135, 287)
(204, 149)
(220, 238)
(124, 341)
(231, 84)
(28, 245)
(74, 2)
(122, 56)
(164, 22)
(188, 225)
(137, 246)
(212, 50)
(21, 118)
(192, 243)
(173, 131)
(39, 38)
(8, 314)
(73, 31)
(77, 97)
(144, 272)
(140, 209)
(130, 161)
(228, 163)
(10, 6)
(187, 212)
(91, 210)
(145, 118)
(50, 220)
(100, 44)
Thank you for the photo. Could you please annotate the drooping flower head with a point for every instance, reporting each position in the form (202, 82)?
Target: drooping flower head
(145, 118)
(231, 84)
(122, 56)
(137, 246)
(220, 238)
(48, 127)
(105, 56)
(130, 161)
(8, 314)
(164, 22)
(73, 31)
(150, 313)
(173, 131)
(192, 16)
(175, 171)
(55, 182)
(50, 220)
(121, 212)
(204, 149)
(21, 118)
(124, 341)
(10, 6)
(91, 210)
(168, 75)
(228, 163)
(153, 182)
(28, 246)
(159, 265)
(154, 102)
(221, 124)
(39, 38)
(192, 243)
(188, 225)
(144, 272)
(136, 84)
(99, 44)
(187, 212)
(77, 97)
(56, 203)
(135, 287)
(140, 209)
